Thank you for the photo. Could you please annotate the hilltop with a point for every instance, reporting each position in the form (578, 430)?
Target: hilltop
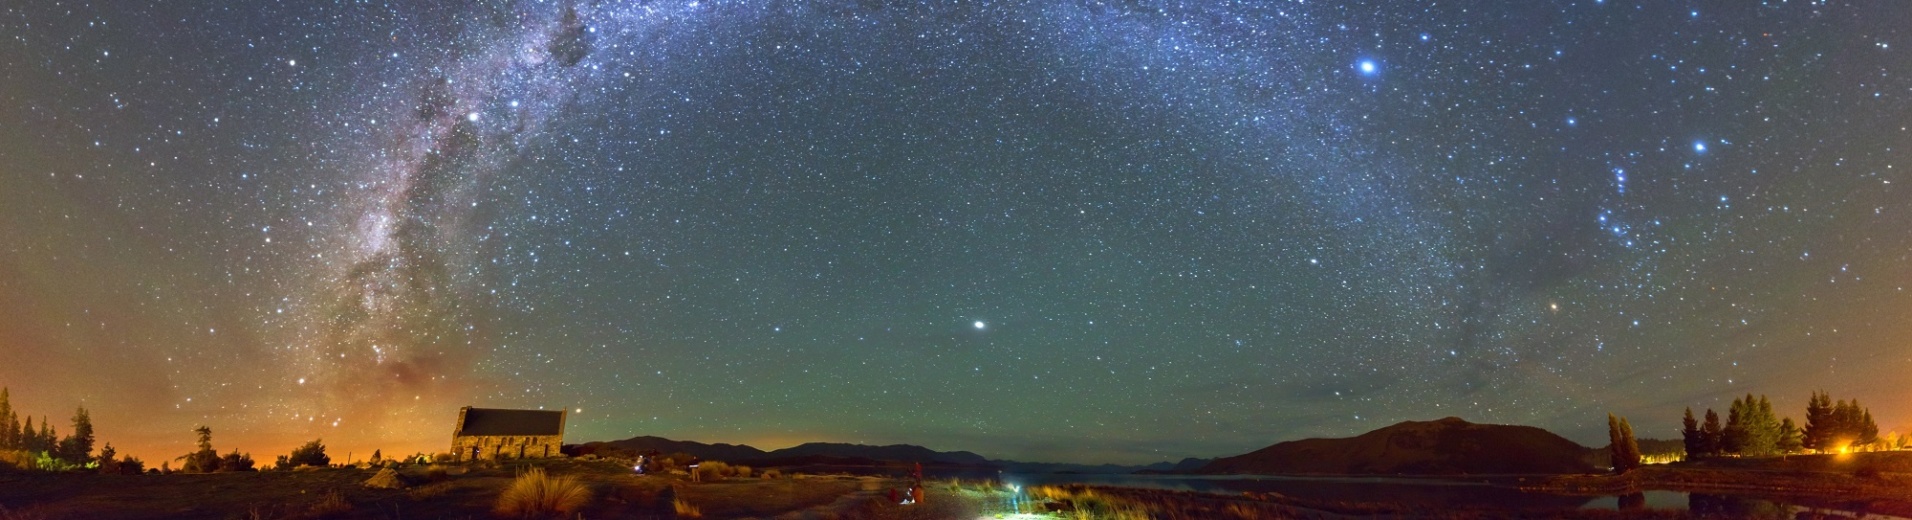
(1449, 446)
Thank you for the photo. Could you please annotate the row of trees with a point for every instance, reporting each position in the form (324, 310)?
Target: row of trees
(73, 451)
(1753, 430)
(207, 460)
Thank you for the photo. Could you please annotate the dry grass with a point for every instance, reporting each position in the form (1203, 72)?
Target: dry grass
(536, 493)
(332, 503)
(685, 509)
(385, 479)
(430, 491)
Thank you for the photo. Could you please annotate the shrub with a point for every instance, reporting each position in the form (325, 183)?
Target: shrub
(385, 479)
(535, 493)
(685, 509)
(740, 471)
(712, 470)
(310, 454)
(771, 474)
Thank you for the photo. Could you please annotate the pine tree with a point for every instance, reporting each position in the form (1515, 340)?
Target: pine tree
(7, 428)
(1616, 451)
(1868, 430)
(1630, 451)
(1762, 428)
(78, 447)
(1791, 440)
(30, 439)
(1817, 434)
(203, 460)
(1734, 439)
(1713, 434)
(1690, 433)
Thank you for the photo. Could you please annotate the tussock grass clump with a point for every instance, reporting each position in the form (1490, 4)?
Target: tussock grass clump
(771, 474)
(536, 493)
(685, 509)
(385, 479)
(740, 471)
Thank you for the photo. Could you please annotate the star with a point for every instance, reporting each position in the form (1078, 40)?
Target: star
(980, 325)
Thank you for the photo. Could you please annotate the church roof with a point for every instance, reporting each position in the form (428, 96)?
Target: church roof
(497, 421)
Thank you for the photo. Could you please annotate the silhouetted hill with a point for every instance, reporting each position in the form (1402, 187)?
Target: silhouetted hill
(1449, 446)
(1101, 469)
(815, 453)
(893, 452)
(647, 444)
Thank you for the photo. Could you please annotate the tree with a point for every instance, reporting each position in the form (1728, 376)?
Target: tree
(1621, 447)
(1761, 428)
(310, 454)
(236, 461)
(1713, 433)
(1791, 440)
(376, 456)
(108, 465)
(78, 447)
(1690, 433)
(1734, 439)
(203, 460)
(1818, 431)
(1868, 430)
(1631, 446)
(8, 429)
(29, 438)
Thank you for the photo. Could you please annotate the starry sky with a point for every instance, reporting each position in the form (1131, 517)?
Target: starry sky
(1072, 230)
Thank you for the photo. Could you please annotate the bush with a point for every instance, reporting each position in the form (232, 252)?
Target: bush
(535, 493)
(385, 479)
(311, 454)
(740, 471)
(771, 474)
(712, 470)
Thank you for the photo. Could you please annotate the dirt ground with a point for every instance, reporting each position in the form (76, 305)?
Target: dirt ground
(447, 492)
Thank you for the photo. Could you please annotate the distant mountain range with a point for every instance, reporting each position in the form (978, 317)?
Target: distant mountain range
(841, 454)
(1449, 446)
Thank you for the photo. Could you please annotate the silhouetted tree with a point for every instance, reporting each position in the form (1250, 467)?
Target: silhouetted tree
(9, 429)
(310, 454)
(1791, 440)
(236, 461)
(1734, 439)
(1761, 436)
(108, 465)
(203, 460)
(1818, 432)
(1621, 447)
(78, 447)
(27, 441)
(1713, 434)
(1690, 434)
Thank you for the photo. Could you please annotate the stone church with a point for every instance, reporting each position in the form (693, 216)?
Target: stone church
(493, 433)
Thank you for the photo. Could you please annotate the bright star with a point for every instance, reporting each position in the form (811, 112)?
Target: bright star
(1368, 67)
(980, 325)
(1699, 147)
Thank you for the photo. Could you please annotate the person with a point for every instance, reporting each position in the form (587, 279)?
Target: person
(640, 465)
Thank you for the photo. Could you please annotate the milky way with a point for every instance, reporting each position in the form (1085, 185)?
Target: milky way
(1077, 231)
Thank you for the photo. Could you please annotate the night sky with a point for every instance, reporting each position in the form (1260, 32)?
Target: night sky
(1066, 230)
